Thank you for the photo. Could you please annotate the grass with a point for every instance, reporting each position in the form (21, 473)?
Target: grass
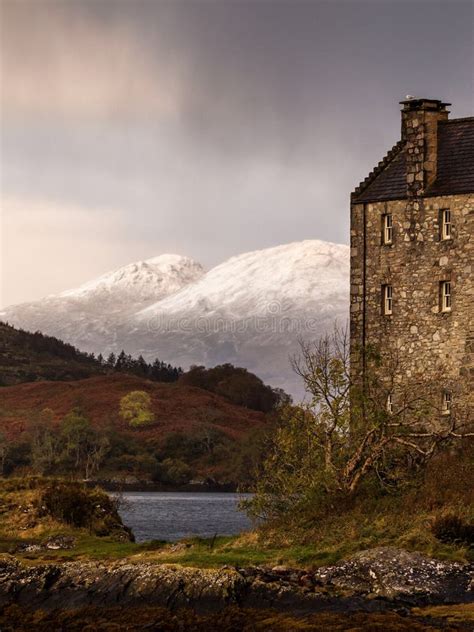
(197, 552)
(33, 510)
(374, 518)
(229, 551)
(244, 550)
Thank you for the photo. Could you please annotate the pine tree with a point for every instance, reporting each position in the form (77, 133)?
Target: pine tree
(142, 366)
(121, 363)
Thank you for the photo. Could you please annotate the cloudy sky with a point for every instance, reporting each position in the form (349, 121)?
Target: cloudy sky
(134, 128)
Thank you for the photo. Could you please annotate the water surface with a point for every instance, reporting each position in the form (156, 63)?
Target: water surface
(175, 515)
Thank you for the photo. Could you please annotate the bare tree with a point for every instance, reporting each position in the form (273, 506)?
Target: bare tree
(45, 441)
(86, 445)
(95, 450)
(381, 425)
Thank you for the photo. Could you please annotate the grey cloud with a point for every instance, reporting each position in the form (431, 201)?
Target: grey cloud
(211, 128)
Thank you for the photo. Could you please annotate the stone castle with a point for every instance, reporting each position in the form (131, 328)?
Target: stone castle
(412, 253)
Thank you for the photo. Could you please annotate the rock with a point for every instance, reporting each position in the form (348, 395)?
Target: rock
(179, 546)
(281, 569)
(27, 547)
(371, 580)
(400, 575)
(57, 542)
(307, 581)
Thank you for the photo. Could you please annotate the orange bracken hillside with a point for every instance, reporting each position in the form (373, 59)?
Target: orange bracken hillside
(176, 407)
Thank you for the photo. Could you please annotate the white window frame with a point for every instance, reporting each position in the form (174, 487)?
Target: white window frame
(446, 403)
(387, 229)
(446, 298)
(390, 404)
(387, 299)
(446, 225)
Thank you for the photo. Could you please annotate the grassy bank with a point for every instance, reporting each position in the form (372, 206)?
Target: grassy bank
(410, 519)
(35, 513)
(48, 515)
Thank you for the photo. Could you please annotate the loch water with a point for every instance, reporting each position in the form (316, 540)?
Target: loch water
(175, 515)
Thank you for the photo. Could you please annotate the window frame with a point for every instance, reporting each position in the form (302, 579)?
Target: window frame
(446, 402)
(446, 225)
(445, 297)
(387, 299)
(387, 229)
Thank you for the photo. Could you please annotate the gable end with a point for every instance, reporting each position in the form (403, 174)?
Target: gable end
(387, 180)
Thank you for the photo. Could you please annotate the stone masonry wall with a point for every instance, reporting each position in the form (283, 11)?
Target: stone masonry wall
(420, 132)
(414, 265)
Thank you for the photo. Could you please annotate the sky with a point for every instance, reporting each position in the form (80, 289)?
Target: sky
(133, 128)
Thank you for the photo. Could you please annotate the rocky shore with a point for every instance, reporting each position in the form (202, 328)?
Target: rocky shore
(372, 581)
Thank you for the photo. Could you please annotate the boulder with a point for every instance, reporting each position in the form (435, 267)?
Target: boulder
(396, 574)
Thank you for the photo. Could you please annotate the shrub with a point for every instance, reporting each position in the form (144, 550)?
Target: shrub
(173, 472)
(452, 529)
(237, 385)
(81, 507)
(135, 408)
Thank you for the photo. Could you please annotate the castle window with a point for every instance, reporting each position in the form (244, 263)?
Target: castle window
(446, 403)
(445, 296)
(387, 300)
(389, 403)
(445, 224)
(387, 229)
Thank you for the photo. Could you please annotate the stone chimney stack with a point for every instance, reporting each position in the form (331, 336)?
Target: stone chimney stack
(420, 119)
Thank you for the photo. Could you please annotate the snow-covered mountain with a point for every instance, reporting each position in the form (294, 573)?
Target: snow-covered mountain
(89, 316)
(250, 310)
(140, 282)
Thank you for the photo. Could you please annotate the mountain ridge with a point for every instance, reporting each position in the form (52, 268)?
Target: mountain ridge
(249, 310)
(176, 269)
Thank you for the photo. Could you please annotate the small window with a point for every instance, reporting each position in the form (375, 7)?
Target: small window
(445, 296)
(446, 403)
(387, 300)
(387, 229)
(389, 404)
(446, 224)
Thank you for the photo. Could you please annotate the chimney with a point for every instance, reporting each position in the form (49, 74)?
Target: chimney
(420, 119)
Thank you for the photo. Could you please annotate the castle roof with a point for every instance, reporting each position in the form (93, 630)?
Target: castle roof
(455, 166)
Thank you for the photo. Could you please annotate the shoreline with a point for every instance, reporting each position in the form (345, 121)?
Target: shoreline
(376, 582)
(144, 486)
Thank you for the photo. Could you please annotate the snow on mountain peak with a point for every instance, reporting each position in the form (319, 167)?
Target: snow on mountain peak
(251, 310)
(146, 280)
(298, 272)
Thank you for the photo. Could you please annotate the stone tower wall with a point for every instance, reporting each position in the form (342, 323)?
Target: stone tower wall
(414, 265)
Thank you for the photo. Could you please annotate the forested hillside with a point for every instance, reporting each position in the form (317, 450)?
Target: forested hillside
(31, 356)
(28, 357)
(63, 411)
(59, 428)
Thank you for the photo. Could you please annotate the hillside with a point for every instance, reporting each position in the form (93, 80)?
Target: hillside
(193, 427)
(249, 311)
(27, 357)
(175, 407)
(31, 356)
